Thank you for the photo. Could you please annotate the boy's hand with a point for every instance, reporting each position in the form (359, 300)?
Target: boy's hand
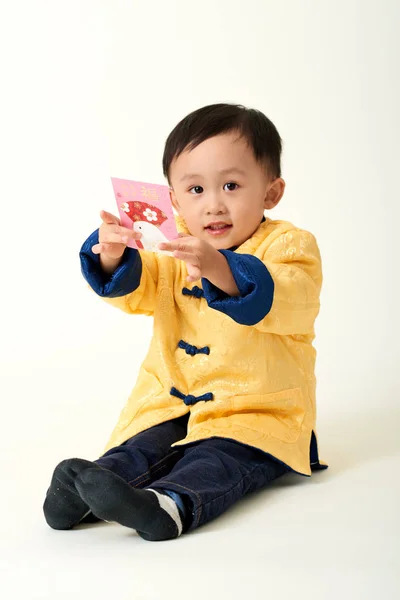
(113, 239)
(203, 260)
(200, 257)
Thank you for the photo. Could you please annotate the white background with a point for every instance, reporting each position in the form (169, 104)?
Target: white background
(91, 89)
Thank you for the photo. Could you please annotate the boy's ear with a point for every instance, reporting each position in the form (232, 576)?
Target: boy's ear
(274, 193)
(174, 200)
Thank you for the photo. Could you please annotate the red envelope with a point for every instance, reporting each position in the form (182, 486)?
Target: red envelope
(147, 208)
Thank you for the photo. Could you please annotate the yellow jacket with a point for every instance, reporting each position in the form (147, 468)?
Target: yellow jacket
(261, 376)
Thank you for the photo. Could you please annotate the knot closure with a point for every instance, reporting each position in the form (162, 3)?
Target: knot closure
(189, 399)
(195, 291)
(192, 350)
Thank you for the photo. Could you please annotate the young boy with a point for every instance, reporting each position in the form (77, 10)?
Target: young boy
(225, 399)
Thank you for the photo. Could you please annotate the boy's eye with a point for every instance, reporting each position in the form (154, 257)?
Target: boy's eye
(231, 187)
(197, 189)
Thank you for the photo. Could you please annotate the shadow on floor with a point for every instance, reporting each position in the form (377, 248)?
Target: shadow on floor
(345, 442)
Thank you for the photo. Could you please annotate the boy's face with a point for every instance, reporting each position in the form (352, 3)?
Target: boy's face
(221, 191)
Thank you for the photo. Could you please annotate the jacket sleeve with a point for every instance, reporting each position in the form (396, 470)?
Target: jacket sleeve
(278, 293)
(133, 285)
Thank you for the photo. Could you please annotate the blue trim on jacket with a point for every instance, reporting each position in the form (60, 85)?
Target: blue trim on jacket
(124, 280)
(254, 283)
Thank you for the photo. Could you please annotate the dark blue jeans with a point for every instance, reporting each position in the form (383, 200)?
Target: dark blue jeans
(209, 475)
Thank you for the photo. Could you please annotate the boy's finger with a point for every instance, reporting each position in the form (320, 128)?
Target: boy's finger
(104, 247)
(194, 274)
(129, 233)
(114, 238)
(187, 257)
(108, 218)
(120, 238)
(165, 246)
(173, 245)
(99, 248)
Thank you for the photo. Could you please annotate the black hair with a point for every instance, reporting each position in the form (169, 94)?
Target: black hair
(209, 121)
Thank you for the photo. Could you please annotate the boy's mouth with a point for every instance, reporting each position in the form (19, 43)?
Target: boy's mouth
(218, 228)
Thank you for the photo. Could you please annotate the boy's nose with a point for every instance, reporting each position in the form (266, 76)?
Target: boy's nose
(215, 205)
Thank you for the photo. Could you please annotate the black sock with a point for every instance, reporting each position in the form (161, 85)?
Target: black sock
(153, 515)
(63, 507)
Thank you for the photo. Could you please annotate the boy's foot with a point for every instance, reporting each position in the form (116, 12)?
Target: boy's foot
(155, 516)
(63, 507)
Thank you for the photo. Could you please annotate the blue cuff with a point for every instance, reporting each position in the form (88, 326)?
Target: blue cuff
(124, 280)
(254, 283)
